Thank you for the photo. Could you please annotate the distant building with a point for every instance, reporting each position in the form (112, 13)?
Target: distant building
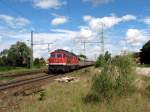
(136, 56)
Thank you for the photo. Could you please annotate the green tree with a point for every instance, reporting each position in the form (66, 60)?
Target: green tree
(82, 57)
(107, 56)
(42, 61)
(3, 61)
(17, 55)
(4, 52)
(102, 59)
(36, 62)
(39, 62)
(145, 53)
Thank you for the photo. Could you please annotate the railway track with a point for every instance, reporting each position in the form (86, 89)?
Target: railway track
(19, 86)
(22, 82)
(23, 74)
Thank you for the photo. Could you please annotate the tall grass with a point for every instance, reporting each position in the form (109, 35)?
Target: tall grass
(102, 59)
(115, 79)
(67, 97)
(6, 68)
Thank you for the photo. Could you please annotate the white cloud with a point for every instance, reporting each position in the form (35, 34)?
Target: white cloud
(67, 48)
(91, 31)
(59, 20)
(64, 37)
(46, 4)
(68, 33)
(97, 2)
(14, 21)
(94, 50)
(3, 46)
(147, 20)
(85, 33)
(40, 51)
(0, 38)
(59, 38)
(135, 37)
(47, 37)
(6, 18)
(128, 17)
(22, 21)
(108, 21)
(87, 18)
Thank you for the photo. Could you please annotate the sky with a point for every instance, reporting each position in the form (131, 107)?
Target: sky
(66, 24)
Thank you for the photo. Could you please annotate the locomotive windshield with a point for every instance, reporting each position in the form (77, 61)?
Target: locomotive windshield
(52, 55)
(59, 55)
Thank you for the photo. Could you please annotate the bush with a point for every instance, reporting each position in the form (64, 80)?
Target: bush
(125, 74)
(38, 62)
(42, 96)
(102, 86)
(102, 59)
(92, 98)
(6, 68)
(145, 53)
(115, 78)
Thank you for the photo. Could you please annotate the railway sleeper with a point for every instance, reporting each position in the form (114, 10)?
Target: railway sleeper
(31, 91)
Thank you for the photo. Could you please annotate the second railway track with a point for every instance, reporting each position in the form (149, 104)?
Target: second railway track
(19, 86)
(22, 82)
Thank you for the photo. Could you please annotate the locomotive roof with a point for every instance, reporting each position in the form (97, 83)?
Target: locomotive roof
(65, 52)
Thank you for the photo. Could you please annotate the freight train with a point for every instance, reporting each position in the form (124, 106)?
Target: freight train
(64, 61)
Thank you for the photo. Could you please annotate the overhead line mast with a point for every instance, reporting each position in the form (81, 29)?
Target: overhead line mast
(32, 50)
(101, 40)
(31, 58)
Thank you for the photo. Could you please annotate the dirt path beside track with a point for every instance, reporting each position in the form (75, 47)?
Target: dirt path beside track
(143, 71)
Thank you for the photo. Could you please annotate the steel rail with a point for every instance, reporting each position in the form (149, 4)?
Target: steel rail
(23, 82)
(15, 81)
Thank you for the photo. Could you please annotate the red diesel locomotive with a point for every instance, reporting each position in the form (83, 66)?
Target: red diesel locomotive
(63, 61)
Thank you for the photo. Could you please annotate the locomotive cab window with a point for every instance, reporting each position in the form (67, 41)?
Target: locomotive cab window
(59, 55)
(52, 55)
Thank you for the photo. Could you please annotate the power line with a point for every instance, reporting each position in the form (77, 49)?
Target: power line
(102, 39)
(45, 44)
(32, 50)
(85, 42)
(31, 58)
(101, 33)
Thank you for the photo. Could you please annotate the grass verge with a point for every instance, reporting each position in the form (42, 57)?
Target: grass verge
(21, 71)
(68, 97)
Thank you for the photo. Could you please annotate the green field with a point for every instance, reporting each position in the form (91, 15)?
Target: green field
(69, 97)
(19, 69)
(6, 73)
(143, 65)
